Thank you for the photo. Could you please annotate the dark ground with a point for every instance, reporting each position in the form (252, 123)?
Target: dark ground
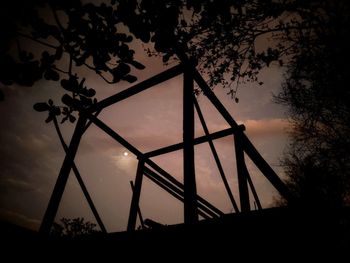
(278, 234)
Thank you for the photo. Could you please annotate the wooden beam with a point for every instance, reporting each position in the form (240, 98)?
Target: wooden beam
(215, 155)
(177, 184)
(266, 169)
(138, 208)
(146, 84)
(178, 194)
(255, 194)
(148, 161)
(80, 179)
(199, 140)
(255, 156)
(114, 135)
(190, 189)
(242, 174)
(62, 178)
(136, 196)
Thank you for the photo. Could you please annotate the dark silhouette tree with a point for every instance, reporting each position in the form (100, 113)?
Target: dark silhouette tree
(73, 228)
(227, 39)
(317, 94)
(68, 35)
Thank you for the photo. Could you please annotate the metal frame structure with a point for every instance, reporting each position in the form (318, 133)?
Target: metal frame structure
(194, 205)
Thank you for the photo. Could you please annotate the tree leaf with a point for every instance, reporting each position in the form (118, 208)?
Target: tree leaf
(166, 58)
(49, 118)
(25, 56)
(56, 111)
(90, 93)
(81, 84)
(51, 74)
(137, 65)
(85, 101)
(59, 53)
(70, 84)
(120, 71)
(41, 106)
(64, 119)
(72, 118)
(129, 78)
(69, 101)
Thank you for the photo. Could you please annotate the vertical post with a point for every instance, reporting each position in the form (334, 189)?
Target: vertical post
(242, 173)
(255, 194)
(190, 191)
(58, 190)
(266, 169)
(254, 155)
(138, 207)
(136, 196)
(215, 155)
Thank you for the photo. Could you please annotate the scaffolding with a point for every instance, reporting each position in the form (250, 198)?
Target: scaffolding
(194, 205)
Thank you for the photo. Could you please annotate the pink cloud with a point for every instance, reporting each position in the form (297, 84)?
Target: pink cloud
(267, 127)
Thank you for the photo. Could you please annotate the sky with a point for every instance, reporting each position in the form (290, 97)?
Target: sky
(31, 154)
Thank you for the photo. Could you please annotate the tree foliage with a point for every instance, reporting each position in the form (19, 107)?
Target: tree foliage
(66, 35)
(317, 94)
(224, 37)
(72, 228)
(228, 39)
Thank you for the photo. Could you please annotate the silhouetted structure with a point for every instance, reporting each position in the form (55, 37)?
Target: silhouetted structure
(194, 205)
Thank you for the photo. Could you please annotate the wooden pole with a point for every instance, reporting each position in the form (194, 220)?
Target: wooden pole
(190, 191)
(242, 174)
(138, 207)
(136, 196)
(80, 180)
(62, 178)
(215, 155)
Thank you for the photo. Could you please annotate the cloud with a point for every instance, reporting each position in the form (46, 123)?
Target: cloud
(267, 127)
(31, 156)
(19, 219)
(16, 184)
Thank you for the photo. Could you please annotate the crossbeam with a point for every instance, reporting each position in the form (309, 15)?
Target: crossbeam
(66, 167)
(146, 84)
(186, 192)
(141, 156)
(248, 147)
(199, 140)
(203, 209)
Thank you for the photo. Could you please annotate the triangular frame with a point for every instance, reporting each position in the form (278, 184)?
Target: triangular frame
(186, 192)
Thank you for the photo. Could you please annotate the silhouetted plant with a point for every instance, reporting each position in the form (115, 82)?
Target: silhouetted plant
(72, 228)
(316, 92)
(222, 36)
(68, 35)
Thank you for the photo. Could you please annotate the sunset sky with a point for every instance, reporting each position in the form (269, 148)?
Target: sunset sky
(31, 154)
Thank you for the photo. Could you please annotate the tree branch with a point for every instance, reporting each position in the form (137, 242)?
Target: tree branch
(37, 40)
(70, 64)
(60, 70)
(58, 22)
(98, 73)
